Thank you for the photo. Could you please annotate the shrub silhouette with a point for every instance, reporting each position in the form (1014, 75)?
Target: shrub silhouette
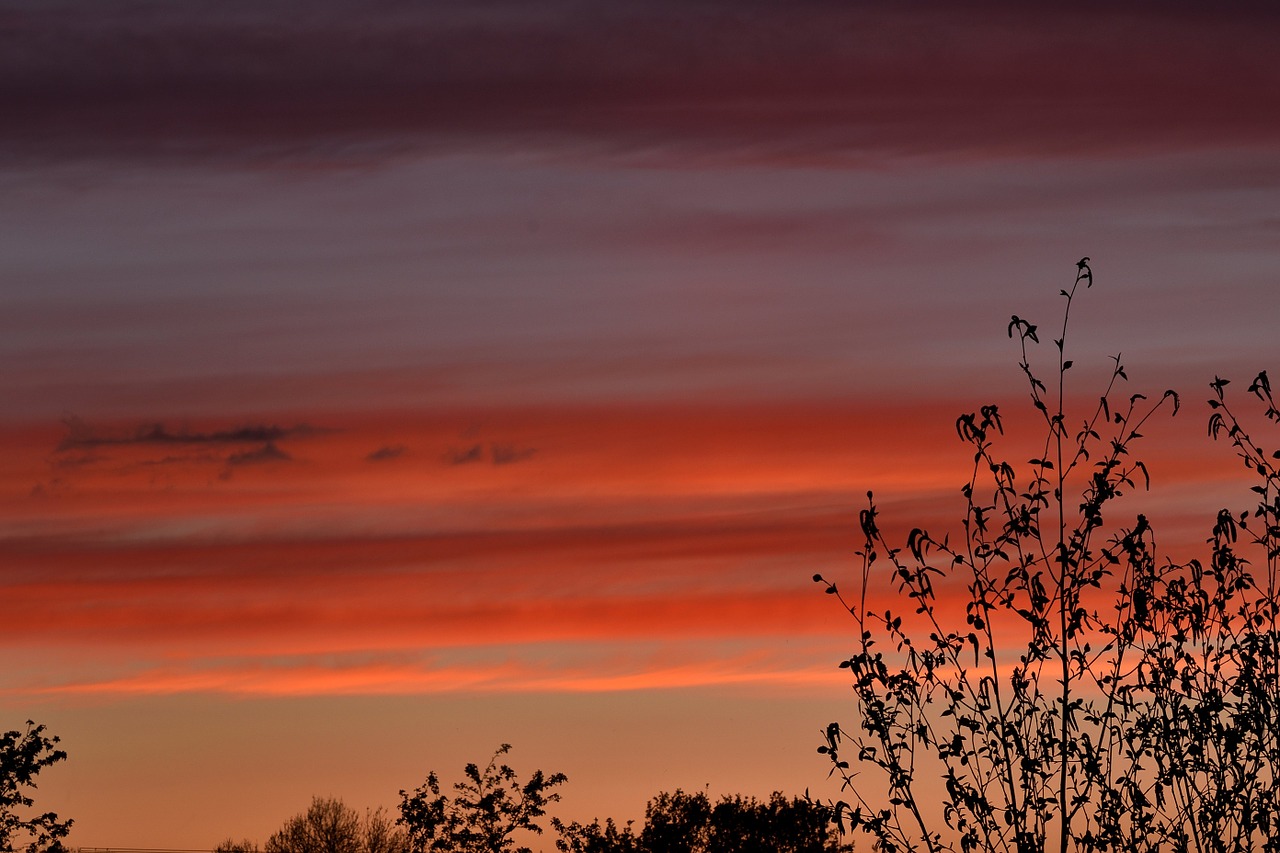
(690, 823)
(23, 754)
(330, 826)
(490, 807)
(1049, 680)
(230, 845)
(595, 837)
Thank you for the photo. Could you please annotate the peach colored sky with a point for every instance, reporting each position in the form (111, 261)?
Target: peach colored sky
(386, 381)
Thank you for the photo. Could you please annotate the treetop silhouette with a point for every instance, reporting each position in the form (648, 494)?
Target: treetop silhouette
(489, 811)
(23, 754)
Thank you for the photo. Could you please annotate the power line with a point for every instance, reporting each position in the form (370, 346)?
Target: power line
(141, 850)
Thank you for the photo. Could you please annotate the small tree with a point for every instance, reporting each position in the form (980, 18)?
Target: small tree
(331, 826)
(230, 845)
(23, 754)
(1053, 680)
(777, 825)
(690, 823)
(677, 822)
(596, 837)
(382, 835)
(490, 807)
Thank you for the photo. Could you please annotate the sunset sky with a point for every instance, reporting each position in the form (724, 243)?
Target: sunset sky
(385, 381)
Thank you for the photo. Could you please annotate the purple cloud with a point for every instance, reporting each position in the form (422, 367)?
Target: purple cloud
(803, 79)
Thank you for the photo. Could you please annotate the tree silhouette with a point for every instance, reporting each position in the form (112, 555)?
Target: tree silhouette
(677, 822)
(596, 837)
(680, 822)
(23, 754)
(777, 825)
(330, 826)
(230, 845)
(484, 816)
(1051, 680)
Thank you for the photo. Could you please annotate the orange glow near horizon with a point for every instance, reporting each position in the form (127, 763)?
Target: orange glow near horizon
(259, 551)
(579, 526)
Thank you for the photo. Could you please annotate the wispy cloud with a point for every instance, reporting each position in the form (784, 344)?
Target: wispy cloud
(154, 447)
(81, 435)
(611, 670)
(268, 452)
(387, 453)
(465, 455)
(496, 453)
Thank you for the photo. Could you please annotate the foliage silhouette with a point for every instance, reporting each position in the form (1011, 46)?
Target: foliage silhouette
(690, 823)
(595, 837)
(23, 754)
(490, 807)
(1052, 679)
(330, 826)
(679, 823)
(230, 845)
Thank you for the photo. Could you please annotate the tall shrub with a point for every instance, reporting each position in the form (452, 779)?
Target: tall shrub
(1047, 679)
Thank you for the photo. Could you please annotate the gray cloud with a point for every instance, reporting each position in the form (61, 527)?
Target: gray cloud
(383, 454)
(86, 445)
(79, 460)
(508, 454)
(495, 453)
(466, 455)
(81, 436)
(268, 452)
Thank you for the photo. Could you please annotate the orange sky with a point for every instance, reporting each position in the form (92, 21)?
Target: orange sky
(497, 558)
(384, 382)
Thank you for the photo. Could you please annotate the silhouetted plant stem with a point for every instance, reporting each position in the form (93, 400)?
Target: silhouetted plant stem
(1162, 731)
(1062, 581)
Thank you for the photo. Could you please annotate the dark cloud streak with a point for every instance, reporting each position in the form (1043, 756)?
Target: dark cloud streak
(817, 79)
(269, 452)
(82, 436)
(498, 454)
(387, 453)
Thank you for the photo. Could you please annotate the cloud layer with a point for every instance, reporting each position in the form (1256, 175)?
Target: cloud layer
(810, 80)
(631, 534)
